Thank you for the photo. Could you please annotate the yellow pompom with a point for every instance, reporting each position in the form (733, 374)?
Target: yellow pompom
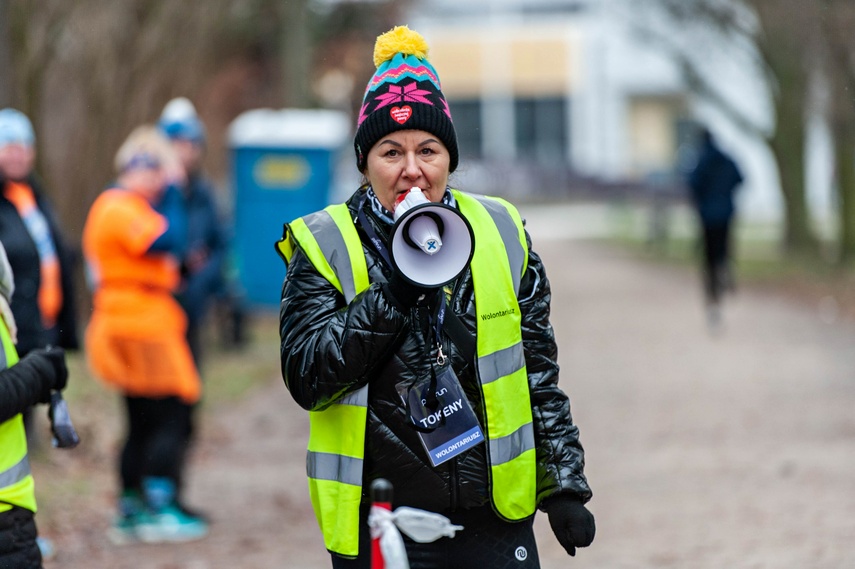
(399, 39)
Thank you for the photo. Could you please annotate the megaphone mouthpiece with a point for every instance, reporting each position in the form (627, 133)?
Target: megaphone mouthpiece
(424, 232)
(407, 201)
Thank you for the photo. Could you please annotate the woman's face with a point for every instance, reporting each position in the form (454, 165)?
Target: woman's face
(16, 160)
(404, 159)
(148, 179)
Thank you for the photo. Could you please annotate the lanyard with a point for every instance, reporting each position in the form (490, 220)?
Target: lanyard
(438, 318)
(438, 321)
(372, 235)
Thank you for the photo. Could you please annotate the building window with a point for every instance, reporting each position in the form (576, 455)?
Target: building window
(466, 115)
(541, 129)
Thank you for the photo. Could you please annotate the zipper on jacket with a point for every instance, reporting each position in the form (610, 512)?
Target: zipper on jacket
(453, 474)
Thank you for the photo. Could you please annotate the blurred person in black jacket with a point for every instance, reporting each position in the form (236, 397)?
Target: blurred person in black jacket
(202, 266)
(44, 302)
(713, 183)
(44, 299)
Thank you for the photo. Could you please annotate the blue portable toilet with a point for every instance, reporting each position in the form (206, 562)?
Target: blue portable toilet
(283, 166)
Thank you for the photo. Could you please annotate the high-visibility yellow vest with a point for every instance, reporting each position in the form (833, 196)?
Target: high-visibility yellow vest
(16, 482)
(337, 434)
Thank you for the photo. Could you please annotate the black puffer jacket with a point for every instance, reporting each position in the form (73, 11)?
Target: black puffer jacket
(329, 349)
(25, 263)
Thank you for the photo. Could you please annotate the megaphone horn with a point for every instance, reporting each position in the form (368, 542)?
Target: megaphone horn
(432, 243)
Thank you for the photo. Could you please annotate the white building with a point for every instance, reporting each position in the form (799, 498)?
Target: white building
(537, 85)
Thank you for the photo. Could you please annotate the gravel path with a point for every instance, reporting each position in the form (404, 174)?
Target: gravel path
(704, 451)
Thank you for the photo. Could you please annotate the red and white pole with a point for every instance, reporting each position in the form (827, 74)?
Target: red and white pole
(381, 497)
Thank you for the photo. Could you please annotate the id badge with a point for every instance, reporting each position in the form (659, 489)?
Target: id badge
(455, 427)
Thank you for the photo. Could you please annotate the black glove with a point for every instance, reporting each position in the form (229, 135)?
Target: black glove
(404, 295)
(571, 522)
(51, 361)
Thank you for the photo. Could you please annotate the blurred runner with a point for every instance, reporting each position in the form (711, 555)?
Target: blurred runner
(713, 183)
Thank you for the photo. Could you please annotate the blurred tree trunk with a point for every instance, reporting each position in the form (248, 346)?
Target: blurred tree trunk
(788, 45)
(5, 57)
(296, 53)
(86, 72)
(843, 128)
(784, 44)
(788, 139)
(34, 33)
(837, 21)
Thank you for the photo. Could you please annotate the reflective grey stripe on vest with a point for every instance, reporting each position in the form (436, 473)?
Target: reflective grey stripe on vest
(15, 474)
(499, 364)
(331, 242)
(358, 398)
(510, 235)
(505, 449)
(334, 467)
(322, 465)
(4, 363)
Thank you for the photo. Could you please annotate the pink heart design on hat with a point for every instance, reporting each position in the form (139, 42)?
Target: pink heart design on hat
(401, 114)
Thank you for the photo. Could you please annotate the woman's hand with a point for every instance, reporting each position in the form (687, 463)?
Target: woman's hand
(405, 295)
(571, 522)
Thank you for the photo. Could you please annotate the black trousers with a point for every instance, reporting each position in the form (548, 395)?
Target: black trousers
(716, 244)
(485, 541)
(18, 547)
(158, 437)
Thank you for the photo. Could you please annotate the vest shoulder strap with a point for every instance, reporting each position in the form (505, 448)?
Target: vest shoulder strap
(330, 241)
(509, 224)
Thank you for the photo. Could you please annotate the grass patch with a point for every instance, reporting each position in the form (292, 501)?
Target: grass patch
(758, 260)
(230, 373)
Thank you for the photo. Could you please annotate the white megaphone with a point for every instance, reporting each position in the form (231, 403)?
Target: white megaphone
(432, 243)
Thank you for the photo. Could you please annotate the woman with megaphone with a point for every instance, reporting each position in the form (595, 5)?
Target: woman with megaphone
(415, 330)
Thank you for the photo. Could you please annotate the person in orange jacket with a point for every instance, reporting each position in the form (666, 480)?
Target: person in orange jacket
(136, 342)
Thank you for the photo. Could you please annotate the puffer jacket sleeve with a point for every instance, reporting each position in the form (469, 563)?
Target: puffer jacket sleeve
(329, 348)
(560, 457)
(26, 383)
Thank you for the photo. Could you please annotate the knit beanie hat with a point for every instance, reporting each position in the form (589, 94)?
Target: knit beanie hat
(180, 121)
(15, 128)
(403, 94)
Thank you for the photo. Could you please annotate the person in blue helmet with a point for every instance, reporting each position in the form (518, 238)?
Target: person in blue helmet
(202, 268)
(203, 263)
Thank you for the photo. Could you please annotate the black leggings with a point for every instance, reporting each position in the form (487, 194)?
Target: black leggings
(716, 241)
(485, 541)
(158, 435)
